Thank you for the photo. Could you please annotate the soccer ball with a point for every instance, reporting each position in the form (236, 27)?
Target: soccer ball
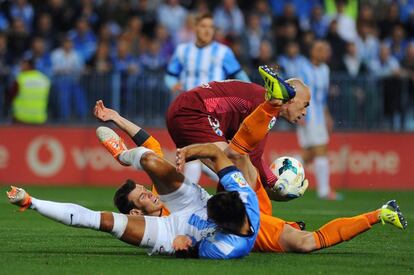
(289, 167)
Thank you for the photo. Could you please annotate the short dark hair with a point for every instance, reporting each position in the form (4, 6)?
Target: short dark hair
(227, 210)
(121, 200)
(202, 16)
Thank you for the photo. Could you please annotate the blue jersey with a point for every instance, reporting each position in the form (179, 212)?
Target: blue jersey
(223, 245)
(317, 79)
(195, 66)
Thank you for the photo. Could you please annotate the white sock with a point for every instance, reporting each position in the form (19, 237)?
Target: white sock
(68, 213)
(133, 156)
(321, 169)
(192, 171)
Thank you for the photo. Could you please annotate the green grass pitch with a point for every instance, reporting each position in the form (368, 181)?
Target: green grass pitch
(31, 244)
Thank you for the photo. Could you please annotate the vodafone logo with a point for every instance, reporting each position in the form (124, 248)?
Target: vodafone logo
(53, 164)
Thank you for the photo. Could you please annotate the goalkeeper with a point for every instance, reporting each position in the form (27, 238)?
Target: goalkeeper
(213, 112)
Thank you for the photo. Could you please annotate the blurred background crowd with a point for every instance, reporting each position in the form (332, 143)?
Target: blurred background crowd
(118, 50)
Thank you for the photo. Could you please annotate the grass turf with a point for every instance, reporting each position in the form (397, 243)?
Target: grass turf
(33, 244)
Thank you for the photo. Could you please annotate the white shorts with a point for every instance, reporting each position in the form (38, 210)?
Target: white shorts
(311, 135)
(160, 232)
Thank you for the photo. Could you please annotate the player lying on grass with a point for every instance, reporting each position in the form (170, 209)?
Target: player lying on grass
(275, 235)
(222, 226)
(213, 112)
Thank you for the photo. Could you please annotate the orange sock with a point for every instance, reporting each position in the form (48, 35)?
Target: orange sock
(154, 145)
(344, 229)
(254, 128)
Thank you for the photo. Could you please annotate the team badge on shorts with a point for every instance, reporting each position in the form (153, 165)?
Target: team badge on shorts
(238, 177)
(215, 124)
(272, 123)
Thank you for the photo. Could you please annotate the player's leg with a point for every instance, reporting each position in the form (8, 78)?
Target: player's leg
(339, 230)
(163, 173)
(322, 171)
(129, 229)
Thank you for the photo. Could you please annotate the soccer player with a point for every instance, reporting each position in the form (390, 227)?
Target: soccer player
(213, 112)
(222, 226)
(275, 235)
(200, 62)
(313, 134)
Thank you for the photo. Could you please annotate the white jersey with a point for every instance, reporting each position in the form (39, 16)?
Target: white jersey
(314, 132)
(317, 79)
(188, 206)
(194, 65)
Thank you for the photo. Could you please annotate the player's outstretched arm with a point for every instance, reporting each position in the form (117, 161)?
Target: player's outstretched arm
(200, 151)
(107, 114)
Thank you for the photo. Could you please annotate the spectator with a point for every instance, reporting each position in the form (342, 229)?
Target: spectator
(172, 16)
(387, 69)
(265, 58)
(6, 63)
(45, 30)
(67, 66)
(366, 17)
(408, 67)
(101, 62)
(186, 33)
(291, 61)
(4, 22)
(62, 15)
(18, 39)
(288, 34)
(6, 58)
(306, 41)
(385, 65)
(318, 23)
(367, 43)
(147, 15)
(107, 34)
(253, 35)
(287, 18)
(24, 11)
(29, 95)
(352, 63)
(166, 42)
(125, 64)
(337, 45)
(346, 24)
(87, 10)
(83, 38)
(133, 34)
(40, 56)
(392, 18)
(397, 42)
(265, 15)
(229, 18)
(152, 60)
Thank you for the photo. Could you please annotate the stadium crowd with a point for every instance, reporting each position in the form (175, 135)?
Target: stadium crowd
(70, 40)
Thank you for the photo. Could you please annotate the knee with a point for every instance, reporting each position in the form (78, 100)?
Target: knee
(150, 160)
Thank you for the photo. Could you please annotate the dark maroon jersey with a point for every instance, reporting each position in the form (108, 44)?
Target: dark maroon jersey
(213, 112)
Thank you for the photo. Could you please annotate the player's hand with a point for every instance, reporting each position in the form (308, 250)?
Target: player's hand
(290, 189)
(182, 242)
(177, 88)
(102, 113)
(180, 159)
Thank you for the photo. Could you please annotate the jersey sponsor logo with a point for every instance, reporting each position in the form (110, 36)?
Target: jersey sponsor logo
(238, 177)
(271, 123)
(205, 86)
(215, 124)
